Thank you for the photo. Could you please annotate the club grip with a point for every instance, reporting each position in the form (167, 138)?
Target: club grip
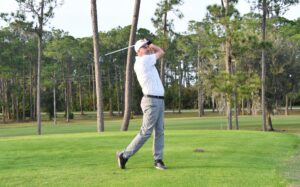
(148, 41)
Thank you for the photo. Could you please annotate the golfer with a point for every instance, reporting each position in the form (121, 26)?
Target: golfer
(152, 104)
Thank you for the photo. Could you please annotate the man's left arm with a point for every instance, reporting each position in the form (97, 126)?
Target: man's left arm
(157, 51)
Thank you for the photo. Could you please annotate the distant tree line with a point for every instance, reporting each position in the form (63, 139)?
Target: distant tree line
(215, 65)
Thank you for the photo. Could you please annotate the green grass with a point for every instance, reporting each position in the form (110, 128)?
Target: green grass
(75, 155)
(88, 159)
(180, 122)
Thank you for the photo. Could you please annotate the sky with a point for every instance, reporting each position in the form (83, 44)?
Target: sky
(74, 15)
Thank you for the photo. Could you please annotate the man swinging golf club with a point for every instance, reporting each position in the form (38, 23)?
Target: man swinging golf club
(152, 104)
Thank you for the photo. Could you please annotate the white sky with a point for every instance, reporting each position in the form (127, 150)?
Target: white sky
(74, 15)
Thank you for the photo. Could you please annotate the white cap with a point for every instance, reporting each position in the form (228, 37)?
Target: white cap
(139, 44)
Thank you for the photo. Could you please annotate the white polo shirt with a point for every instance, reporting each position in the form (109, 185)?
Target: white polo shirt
(148, 76)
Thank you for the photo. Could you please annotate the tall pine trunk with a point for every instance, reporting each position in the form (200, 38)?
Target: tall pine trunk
(38, 95)
(31, 93)
(228, 63)
(111, 113)
(94, 90)
(200, 86)
(99, 96)
(286, 105)
(263, 68)
(54, 99)
(128, 82)
(165, 32)
(80, 99)
(235, 98)
(3, 91)
(118, 83)
(24, 95)
(179, 86)
(67, 112)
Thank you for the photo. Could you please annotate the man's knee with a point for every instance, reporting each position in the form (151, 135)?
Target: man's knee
(145, 132)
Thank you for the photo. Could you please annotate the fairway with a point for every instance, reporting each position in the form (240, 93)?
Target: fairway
(230, 158)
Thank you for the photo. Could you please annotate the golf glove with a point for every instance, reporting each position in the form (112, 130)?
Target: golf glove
(148, 41)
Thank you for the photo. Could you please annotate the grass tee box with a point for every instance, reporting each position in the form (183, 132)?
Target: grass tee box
(230, 158)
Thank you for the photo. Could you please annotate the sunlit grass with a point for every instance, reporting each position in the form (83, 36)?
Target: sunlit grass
(230, 158)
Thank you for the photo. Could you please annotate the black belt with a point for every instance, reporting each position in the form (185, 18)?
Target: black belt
(154, 96)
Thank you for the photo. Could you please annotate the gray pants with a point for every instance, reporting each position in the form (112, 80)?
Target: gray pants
(153, 121)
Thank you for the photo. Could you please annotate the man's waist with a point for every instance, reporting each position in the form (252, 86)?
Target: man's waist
(154, 96)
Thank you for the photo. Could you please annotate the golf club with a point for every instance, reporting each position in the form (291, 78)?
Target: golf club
(118, 50)
(113, 52)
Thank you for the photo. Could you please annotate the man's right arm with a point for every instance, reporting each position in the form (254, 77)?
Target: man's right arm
(157, 51)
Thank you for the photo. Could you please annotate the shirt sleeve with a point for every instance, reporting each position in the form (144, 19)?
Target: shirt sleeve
(150, 60)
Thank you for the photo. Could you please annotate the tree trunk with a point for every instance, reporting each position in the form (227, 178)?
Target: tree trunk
(70, 92)
(242, 107)
(174, 90)
(40, 52)
(111, 113)
(34, 99)
(270, 125)
(31, 94)
(100, 117)
(291, 104)
(38, 96)
(128, 83)
(263, 68)
(228, 64)
(200, 86)
(1, 99)
(3, 103)
(24, 95)
(249, 110)
(7, 113)
(13, 106)
(236, 112)
(179, 86)
(94, 90)
(235, 97)
(54, 100)
(17, 109)
(213, 103)
(67, 112)
(118, 83)
(80, 100)
(286, 105)
(162, 60)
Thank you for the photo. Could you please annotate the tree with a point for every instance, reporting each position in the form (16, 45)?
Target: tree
(289, 32)
(41, 11)
(100, 115)
(128, 83)
(205, 42)
(282, 65)
(222, 17)
(63, 51)
(268, 7)
(164, 26)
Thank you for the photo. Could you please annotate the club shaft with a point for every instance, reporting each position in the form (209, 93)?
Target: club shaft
(118, 50)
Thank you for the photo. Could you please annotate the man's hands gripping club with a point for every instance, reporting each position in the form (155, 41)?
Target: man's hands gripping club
(155, 49)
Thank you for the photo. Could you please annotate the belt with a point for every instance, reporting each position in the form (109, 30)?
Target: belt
(154, 96)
